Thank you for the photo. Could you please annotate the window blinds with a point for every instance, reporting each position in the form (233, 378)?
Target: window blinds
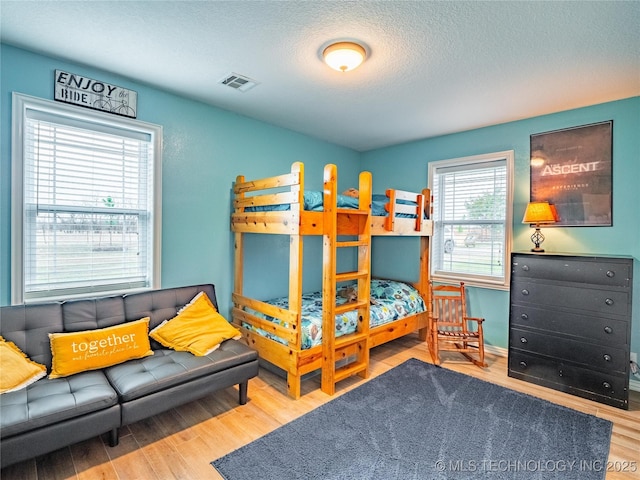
(470, 218)
(88, 203)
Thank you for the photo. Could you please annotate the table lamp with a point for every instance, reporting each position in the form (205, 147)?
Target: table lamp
(538, 213)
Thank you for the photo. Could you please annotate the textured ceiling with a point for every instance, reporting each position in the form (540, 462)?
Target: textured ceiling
(433, 67)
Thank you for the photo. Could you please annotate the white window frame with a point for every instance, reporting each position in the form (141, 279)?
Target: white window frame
(21, 105)
(470, 278)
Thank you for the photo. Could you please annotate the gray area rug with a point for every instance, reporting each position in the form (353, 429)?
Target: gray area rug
(419, 421)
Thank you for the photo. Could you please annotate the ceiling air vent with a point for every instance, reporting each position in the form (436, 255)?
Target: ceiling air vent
(238, 82)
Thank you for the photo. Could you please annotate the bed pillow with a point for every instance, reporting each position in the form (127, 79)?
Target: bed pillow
(16, 369)
(94, 349)
(198, 328)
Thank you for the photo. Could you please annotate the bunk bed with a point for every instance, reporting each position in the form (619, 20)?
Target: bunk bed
(339, 340)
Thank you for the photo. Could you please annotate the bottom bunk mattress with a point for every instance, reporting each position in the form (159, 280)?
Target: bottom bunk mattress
(391, 300)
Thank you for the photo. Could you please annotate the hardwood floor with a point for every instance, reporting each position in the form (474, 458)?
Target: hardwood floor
(180, 443)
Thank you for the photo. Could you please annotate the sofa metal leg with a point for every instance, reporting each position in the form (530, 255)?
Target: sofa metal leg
(244, 387)
(114, 437)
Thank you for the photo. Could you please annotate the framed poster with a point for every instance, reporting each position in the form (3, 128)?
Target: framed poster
(572, 169)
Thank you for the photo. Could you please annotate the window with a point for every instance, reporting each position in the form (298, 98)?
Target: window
(86, 202)
(472, 198)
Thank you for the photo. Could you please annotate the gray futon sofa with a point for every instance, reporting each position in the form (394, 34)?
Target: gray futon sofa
(53, 413)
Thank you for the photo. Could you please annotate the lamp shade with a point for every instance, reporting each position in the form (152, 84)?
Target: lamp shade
(540, 212)
(344, 56)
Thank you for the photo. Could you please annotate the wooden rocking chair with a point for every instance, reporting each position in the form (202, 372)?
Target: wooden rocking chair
(450, 329)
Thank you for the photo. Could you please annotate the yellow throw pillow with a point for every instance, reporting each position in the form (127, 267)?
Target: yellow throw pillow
(93, 349)
(16, 369)
(198, 328)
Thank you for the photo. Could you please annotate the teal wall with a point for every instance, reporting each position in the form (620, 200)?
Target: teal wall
(206, 147)
(405, 166)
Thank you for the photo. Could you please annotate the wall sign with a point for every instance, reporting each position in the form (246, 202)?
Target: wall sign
(572, 169)
(89, 93)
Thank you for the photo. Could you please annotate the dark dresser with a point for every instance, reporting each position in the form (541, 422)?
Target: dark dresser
(570, 324)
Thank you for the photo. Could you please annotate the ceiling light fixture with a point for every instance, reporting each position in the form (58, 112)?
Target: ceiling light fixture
(344, 56)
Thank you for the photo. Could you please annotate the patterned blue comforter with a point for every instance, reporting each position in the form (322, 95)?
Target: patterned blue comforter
(393, 300)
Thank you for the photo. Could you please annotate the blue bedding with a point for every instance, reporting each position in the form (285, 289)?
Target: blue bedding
(393, 300)
(313, 202)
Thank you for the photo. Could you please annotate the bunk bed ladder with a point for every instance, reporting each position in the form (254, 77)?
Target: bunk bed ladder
(345, 229)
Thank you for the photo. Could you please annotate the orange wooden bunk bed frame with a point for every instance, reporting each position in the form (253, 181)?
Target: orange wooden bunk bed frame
(335, 224)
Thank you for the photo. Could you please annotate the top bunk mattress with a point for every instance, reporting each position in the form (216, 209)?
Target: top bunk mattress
(314, 200)
(392, 301)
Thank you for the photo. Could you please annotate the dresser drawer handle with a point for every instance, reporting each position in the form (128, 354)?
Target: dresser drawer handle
(606, 385)
(608, 329)
(607, 358)
(525, 268)
(525, 292)
(523, 364)
(523, 340)
(609, 301)
(524, 316)
(611, 273)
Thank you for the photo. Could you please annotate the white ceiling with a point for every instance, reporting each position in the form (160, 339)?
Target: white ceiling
(434, 67)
